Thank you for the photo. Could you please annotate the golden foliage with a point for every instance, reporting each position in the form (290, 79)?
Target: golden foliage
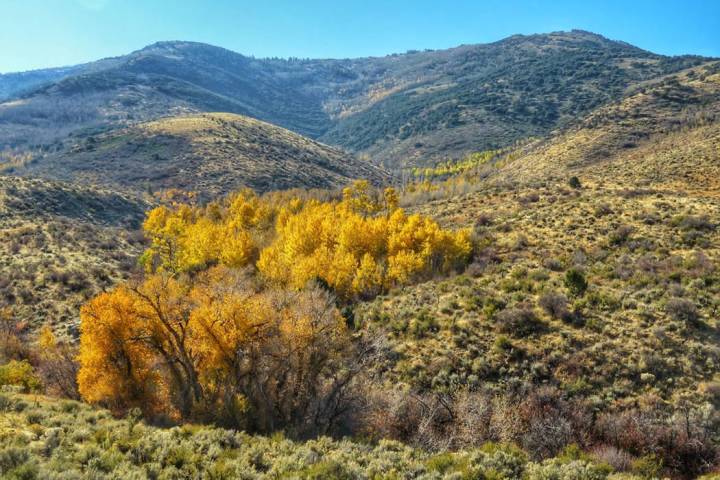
(210, 344)
(187, 238)
(359, 255)
(359, 246)
(202, 335)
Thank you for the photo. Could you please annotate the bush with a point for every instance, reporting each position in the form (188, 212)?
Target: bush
(519, 322)
(575, 282)
(574, 182)
(19, 373)
(621, 235)
(682, 310)
(555, 304)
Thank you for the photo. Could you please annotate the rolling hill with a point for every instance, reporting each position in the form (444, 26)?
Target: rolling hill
(60, 244)
(413, 108)
(212, 154)
(641, 224)
(577, 339)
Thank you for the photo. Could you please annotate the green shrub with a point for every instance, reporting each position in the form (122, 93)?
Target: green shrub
(519, 322)
(575, 282)
(682, 310)
(327, 470)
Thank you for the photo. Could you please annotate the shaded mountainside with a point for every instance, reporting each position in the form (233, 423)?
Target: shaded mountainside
(61, 244)
(665, 134)
(418, 107)
(212, 154)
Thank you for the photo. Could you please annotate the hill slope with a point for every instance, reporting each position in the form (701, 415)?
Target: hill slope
(418, 107)
(209, 153)
(666, 134)
(61, 244)
(41, 437)
(647, 323)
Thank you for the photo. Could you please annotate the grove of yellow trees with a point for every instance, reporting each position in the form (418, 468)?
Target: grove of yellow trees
(229, 321)
(359, 246)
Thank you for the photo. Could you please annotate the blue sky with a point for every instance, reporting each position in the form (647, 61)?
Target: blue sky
(46, 33)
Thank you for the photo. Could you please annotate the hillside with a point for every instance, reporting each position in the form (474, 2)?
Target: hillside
(442, 104)
(546, 307)
(418, 107)
(641, 225)
(212, 154)
(647, 324)
(666, 134)
(61, 244)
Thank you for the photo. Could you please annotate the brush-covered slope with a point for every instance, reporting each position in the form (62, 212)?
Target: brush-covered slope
(417, 107)
(440, 105)
(208, 153)
(60, 245)
(645, 325)
(665, 134)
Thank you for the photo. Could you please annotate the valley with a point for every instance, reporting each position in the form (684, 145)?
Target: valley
(495, 261)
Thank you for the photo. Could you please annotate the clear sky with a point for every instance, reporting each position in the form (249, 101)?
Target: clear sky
(47, 33)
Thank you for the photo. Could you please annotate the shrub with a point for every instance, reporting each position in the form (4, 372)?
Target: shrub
(555, 304)
(648, 466)
(19, 373)
(11, 458)
(575, 282)
(330, 470)
(574, 182)
(518, 322)
(682, 310)
(621, 235)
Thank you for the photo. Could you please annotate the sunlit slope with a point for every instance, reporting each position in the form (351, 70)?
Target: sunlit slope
(666, 134)
(210, 153)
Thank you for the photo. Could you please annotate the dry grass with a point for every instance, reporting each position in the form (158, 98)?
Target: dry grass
(666, 135)
(60, 245)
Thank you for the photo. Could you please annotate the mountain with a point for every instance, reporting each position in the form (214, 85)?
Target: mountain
(61, 244)
(414, 108)
(664, 134)
(211, 153)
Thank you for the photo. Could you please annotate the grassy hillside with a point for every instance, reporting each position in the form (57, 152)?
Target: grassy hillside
(666, 134)
(209, 153)
(60, 245)
(45, 438)
(647, 324)
(418, 107)
(641, 226)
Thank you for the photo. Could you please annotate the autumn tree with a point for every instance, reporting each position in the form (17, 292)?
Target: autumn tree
(190, 238)
(216, 347)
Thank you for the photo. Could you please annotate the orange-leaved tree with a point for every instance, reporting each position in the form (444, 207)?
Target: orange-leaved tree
(215, 347)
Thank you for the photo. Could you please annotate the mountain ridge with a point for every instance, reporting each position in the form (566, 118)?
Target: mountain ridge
(414, 108)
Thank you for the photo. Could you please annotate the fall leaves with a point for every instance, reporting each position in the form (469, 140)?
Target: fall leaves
(359, 256)
(359, 246)
(227, 323)
(213, 348)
